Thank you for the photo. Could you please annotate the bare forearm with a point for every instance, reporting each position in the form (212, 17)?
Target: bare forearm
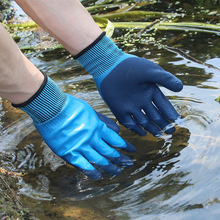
(67, 21)
(19, 78)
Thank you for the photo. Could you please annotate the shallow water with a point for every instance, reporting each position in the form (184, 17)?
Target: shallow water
(176, 176)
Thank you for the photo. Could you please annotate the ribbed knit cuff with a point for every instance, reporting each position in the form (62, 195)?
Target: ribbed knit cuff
(101, 55)
(46, 103)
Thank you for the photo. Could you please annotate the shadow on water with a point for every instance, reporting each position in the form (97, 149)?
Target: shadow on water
(175, 176)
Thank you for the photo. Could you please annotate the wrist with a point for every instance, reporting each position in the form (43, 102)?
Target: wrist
(19, 80)
(46, 103)
(100, 57)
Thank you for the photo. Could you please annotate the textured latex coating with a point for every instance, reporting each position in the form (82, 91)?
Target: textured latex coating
(129, 86)
(78, 136)
(132, 94)
(75, 132)
(113, 126)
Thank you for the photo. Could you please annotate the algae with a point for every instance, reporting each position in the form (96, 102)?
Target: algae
(10, 204)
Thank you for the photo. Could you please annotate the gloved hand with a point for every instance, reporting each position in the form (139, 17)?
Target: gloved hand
(128, 84)
(73, 130)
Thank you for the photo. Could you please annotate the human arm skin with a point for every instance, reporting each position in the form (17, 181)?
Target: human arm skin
(67, 21)
(19, 78)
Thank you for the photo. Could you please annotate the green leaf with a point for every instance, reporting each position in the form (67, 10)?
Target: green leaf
(217, 99)
(105, 24)
(109, 29)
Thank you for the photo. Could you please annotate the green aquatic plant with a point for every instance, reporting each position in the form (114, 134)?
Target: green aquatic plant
(217, 99)
(29, 25)
(177, 26)
(138, 25)
(6, 10)
(135, 15)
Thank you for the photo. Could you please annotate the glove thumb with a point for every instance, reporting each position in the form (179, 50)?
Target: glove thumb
(169, 81)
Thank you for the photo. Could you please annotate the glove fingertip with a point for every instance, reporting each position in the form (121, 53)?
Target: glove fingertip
(94, 174)
(169, 129)
(169, 81)
(112, 138)
(178, 85)
(135, 128)
(179, 121)
(129, 148)
(111, 169)
(140, 131)
(122, 160)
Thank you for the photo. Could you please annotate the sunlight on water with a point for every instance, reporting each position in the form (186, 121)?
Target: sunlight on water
(13, 134)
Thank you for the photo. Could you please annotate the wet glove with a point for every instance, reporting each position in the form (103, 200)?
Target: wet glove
(128, 85)
(73, 130)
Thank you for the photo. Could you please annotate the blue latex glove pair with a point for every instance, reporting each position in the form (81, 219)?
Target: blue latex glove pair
(75, 132)
(128, 84)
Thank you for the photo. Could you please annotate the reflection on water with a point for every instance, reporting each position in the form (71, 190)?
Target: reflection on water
(175, 176)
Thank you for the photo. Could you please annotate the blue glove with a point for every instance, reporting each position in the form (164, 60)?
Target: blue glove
(128, 84)
(73, 130)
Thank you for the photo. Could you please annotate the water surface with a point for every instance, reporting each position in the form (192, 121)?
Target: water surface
(175, 176)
